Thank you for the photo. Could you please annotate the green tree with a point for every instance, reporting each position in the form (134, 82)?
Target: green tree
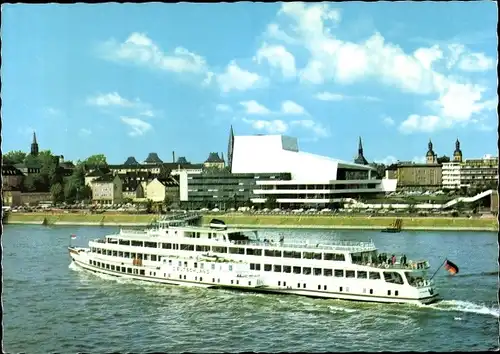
(380, 169)
(14, 157)
(57, 193)
(270, 202)
(149, 206)
(70, 192)
(86, 193)
(29, 184)
(443, 159)
(96, 160)
(49, 168)
(167, 201)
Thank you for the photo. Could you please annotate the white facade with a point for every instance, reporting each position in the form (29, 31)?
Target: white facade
(315, 179)
(451, 172)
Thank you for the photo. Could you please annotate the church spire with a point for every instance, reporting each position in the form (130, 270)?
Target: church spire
(34, 146)
(360, 159)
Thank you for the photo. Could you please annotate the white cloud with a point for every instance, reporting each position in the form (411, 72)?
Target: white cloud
(427, 56)
(139, 49)
(292, 108)
(388, 160)
(147, 113)
(223, 108)
(138, 126)
(272, 127)
(238, 79)
(417, 123)
(315, 127)
(273, 31)
(388, 121)
(253, 107)
(111, 99)
(278, 57)
(330, 96)
(344, 62)
(84, 132)
(476, 62)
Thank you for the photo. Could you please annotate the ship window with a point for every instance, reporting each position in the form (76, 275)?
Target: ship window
(371, 291)
(180, 276)
(112, 267)
(109, 252)
(123, 269)
(252, 266)
(257, 266)
(219, 249)
(236, 250)
(115, 253)
(298, 285)
(319, 287)
(237, 282)
(317, 271)
(150, 244)
(129, 270)
(277, 268)
(249, 283)
(185, 264)
(350, 274)
(374, 275)
(184, 277)
(232, 281)
(146, 257)
(90, 262)
(396, 293)
(126, 254)
(306, 270)
(362, 274)
(327, 272)
(167, 246)
(339, 273)
(291, 254)
(334, 257)
(153, 257)
(230, 267)
(142, 272)
(324, 287)
(195, 278)
(107, 266)
(195, 265)
(213, 280)
(180, 263)
(201, 278)
(98, 251)
(267, 267)
(124, 242)
(98, 264)
(170, 262)
(279, 283)
(393, 277)
(120, 254)
(187, 247)
(213, 266)
(202, 248)
(287, 269)
(304, 285)
(272, 253)
(256, 251)
(202, 266)
(389, 292)
(136, 243)
(296, 270)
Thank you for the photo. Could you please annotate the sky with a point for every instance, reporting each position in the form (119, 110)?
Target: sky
(129, 79)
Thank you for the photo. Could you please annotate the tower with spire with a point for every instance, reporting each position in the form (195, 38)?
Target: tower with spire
(457, 154)
(430, 157)
(360, 159)
(34, 146)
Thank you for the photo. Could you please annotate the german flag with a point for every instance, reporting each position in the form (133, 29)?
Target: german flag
(451, 267)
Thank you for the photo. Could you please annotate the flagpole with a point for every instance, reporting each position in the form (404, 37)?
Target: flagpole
(442, 264)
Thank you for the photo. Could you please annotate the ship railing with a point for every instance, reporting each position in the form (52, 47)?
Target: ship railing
(337, 245)
(409, 265)
(132, 231)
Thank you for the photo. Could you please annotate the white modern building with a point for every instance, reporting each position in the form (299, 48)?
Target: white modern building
(451, 175)
(315, 180)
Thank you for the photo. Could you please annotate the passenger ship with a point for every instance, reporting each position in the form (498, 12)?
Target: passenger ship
(176, 253)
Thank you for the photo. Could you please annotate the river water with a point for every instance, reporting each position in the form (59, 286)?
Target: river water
(51, 306)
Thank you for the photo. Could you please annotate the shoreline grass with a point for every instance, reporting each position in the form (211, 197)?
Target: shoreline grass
(274, 221)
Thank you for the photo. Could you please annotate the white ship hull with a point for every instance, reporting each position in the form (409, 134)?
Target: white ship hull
(169, 276)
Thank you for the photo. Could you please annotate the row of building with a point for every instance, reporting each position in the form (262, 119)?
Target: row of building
(458, 173)
(264, 168)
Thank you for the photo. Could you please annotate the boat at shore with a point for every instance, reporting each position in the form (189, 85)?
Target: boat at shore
(176, 253)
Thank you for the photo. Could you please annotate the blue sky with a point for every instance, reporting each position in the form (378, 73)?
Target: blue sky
(126, 80)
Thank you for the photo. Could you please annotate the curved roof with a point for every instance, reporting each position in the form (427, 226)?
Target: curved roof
(131, 161)
(214, 157)
(280, 154)
(153, 158)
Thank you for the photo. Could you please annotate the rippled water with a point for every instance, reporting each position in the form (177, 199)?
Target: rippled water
(51, 306)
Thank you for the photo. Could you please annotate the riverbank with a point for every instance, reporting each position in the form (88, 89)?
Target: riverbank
(267, 221)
